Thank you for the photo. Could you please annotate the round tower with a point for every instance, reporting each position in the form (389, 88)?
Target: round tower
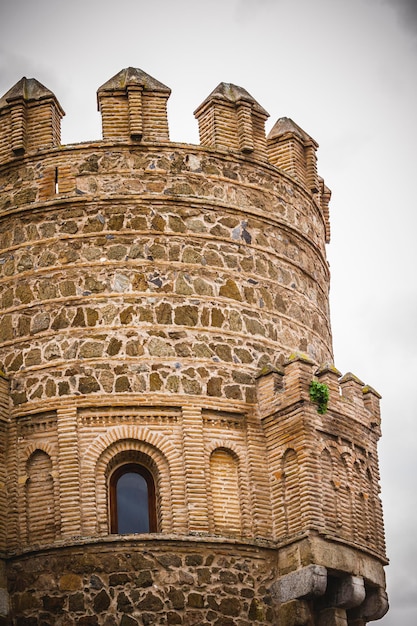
(164, 319)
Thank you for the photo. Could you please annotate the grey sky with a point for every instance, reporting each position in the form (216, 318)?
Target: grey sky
(407, 12)
(345, 72)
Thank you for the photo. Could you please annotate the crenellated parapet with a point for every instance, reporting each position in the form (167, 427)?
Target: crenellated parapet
(280, 388)
(133, 107)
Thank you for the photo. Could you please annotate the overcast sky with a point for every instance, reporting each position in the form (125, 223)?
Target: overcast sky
(346, 72)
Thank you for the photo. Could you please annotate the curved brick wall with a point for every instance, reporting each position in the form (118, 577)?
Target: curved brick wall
(169, 270)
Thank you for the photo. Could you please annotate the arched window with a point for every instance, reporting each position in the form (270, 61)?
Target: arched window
(132, 500)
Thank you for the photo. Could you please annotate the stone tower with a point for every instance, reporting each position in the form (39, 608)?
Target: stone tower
(164, 324)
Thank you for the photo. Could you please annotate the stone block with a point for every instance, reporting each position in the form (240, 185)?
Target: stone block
(307, 582)
(294, 613)
(347, 592)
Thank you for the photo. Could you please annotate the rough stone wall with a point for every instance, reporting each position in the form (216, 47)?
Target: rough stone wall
(189, 289)
(144, 583)
(4, 420)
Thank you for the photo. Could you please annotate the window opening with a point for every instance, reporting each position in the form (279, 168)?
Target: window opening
(132, 500)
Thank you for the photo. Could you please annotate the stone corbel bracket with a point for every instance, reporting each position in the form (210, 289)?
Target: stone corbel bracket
(341, 600)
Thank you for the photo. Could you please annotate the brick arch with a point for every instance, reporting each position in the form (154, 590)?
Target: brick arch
(43, 446)
(117, 433)
(348, 458)
(231, 446)
(24, 489)
(372, 478)
(160, 452)
(335, 448)
(344, 501)
(238, 452)
(360, 513)
(153, 459)
(372, 509)
(337, 480)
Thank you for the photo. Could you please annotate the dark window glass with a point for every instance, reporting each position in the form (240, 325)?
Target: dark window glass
(132, 500)
(132, 504)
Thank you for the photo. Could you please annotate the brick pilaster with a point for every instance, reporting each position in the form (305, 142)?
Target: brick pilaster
(68, 463)
(259, 479)
(195, 479)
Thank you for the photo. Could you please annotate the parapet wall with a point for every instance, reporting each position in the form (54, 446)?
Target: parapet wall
(133, 106)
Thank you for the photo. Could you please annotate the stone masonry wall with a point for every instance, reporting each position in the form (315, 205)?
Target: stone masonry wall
(4, 419)
(170, 271)
(149, 582)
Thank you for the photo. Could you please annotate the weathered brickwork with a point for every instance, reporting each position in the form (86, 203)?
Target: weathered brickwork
(165, 306)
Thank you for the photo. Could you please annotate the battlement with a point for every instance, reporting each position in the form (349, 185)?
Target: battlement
(133, 107)
(230, 118)
(279, 389)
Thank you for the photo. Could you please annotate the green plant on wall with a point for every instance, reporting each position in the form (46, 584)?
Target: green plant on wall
(319, 393)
